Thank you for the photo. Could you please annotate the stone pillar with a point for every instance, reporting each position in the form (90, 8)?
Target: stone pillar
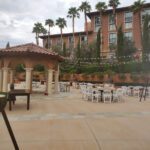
(28, 78)
(12, 76)
(57, 81)
(49, 81)
(1, 79)
(5, 79)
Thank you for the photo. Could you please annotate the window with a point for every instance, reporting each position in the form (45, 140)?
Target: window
(111, 23)
(128, 20)
(128, 36)
(97, 23)
(112, 39)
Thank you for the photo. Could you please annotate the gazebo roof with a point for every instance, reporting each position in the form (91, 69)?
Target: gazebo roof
(30, 48)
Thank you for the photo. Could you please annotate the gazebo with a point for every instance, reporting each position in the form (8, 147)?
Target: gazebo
(29, 55)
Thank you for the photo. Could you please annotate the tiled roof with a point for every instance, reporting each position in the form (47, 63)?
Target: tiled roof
(66, 34)
(30, 48)
(119, 9)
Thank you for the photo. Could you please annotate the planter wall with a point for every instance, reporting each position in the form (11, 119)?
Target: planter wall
(126, 78)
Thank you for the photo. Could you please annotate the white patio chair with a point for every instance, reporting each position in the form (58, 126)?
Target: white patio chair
(118, 95)
(107, 96)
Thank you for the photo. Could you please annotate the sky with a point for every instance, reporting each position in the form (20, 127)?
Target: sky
(17, 17)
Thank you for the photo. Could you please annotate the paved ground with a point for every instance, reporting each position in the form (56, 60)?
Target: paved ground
(66, 122)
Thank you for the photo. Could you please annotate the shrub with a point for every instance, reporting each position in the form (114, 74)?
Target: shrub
(134, 77)
(122, 76)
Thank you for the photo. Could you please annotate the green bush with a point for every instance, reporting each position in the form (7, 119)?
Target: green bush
(122, 76)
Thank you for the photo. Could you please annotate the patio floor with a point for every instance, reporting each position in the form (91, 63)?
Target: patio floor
(66, 122)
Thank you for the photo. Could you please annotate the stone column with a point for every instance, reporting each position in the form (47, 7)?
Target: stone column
(1, 79)
(5, 79)
(29, 78)
(57, 81)
(12, 76)
(49, 81)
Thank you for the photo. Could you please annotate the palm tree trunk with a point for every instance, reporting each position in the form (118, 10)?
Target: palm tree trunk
(49, 38)
(37, 39)
(140, 25)
(114, 15)
(61, 39)
(86, 26)
(73, 22)
(101, 33)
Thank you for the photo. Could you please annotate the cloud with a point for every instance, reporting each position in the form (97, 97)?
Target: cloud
(18, 17)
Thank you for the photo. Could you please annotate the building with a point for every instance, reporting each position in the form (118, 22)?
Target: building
(124, 17)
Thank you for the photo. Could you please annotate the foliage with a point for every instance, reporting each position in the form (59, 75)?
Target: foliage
(122, 76)
(132, 67)
(125, 47)
(61, 23)
(39, 68)
(20, 68)
(146, 36)
(50, 24)
(138, 5)
(120, 42)
(101, 6)
(73, 13)
(134, 77)
(85, 7)
(98, 44)
(64, 49)
(37, 29)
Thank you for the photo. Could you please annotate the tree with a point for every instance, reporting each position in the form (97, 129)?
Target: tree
(7, 45)
(73, 13)
(114, 4)
(37, 29)
(137, 8)
(50, 24)
(44, 31)
(146, 36)
(78, 55)
(98, 44)
(101, 7)
(85, 7)
(125, 46)
(120, 42)
(64, 49)
(61, 23)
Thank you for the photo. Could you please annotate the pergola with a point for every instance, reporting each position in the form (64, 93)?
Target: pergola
(29, 55)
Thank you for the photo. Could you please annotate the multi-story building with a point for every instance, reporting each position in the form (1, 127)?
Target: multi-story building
(124, 16)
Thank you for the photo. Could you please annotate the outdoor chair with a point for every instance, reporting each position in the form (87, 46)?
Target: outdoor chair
(95, 95)
(107, 96)
(118, 95)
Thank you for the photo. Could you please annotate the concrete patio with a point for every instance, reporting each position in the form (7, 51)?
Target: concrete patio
(66, 122)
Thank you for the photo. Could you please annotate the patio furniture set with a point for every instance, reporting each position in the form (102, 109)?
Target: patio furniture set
(109, 93)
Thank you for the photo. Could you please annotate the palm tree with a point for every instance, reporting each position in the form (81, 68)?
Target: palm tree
(114, 4)
(61, 23)
(37, 29)
(137, 8)
(50, 24)
(85, 7)
(44, 31)
(73, 13)
(101, 7)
